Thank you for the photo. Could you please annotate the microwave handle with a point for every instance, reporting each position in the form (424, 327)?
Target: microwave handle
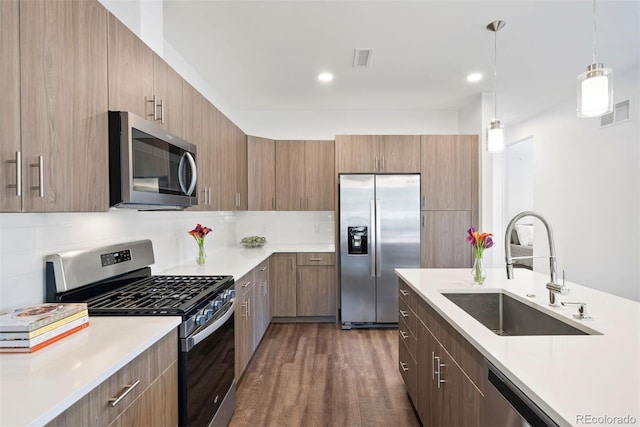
(194, 174)
(194, 177)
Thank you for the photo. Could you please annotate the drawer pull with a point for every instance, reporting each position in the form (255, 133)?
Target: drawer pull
(404, 335)
(404, 313)
(127, 389)
(315, 259)
(404, 293)
(404, 367)
(263, 268)
(246, 284)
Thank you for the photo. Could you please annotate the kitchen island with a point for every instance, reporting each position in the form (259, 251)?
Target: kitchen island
(575, 380)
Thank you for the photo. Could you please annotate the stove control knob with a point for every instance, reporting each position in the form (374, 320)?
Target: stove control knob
(217, 304)
(230, 293)
(201, 319)
(208, 313)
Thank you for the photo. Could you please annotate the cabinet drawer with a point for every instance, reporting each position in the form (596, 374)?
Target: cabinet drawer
(316, 258)
(409, 371)
(245, 283)
(408, 338)
(408, 295)
(145, 368)
(407, 315)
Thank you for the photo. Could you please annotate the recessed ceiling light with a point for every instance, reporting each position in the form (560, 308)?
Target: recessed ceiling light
(325, 77)
(474, 77)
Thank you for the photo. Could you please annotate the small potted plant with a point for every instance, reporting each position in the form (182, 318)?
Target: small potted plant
(199, 233)
(480, 242)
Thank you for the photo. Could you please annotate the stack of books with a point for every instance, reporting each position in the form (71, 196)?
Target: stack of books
(30, 329)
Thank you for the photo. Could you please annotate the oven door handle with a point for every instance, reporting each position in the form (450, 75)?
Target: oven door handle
(194, 340)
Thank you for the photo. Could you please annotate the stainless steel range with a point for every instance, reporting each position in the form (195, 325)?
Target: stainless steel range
(116, 280)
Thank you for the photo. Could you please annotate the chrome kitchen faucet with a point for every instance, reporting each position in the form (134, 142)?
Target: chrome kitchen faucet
(553, 286)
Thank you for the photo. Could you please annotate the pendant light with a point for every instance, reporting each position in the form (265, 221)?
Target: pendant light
(595, 86)
(495, 131)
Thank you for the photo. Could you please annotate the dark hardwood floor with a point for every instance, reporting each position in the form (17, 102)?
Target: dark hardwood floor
(320, 375)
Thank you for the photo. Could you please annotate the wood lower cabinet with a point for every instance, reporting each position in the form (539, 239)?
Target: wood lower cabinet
(447, 384)
(443, 243)
(153, 401)
(244, 323)
(303, 287)
(283, 283)
(262, 310)
(261, 177)
(63, 106)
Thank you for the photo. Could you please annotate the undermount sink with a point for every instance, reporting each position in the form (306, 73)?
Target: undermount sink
(506, 316)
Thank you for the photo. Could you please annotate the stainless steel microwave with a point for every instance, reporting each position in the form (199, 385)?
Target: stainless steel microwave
(149, 168)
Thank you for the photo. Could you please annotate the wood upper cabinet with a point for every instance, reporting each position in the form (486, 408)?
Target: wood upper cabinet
(242, 184)
(10, 147)
(130, 65)
(209, 186)
(167, 88)
(232, 166)
(137, 75)
(449, 167)
(261, 177)
(305, 177)
(443, 239)
(357, 153)
(63, 108)
(399, 154)
(319, 182)
(290, 171)
(378, 153)
(193, 104)
(282, 285)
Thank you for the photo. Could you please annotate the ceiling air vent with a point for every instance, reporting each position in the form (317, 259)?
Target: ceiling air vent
(619, 114)
(362, 57)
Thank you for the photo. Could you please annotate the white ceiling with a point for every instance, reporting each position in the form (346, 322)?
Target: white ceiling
(265, 55)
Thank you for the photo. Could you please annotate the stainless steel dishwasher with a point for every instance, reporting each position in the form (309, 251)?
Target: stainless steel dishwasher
(507, 406)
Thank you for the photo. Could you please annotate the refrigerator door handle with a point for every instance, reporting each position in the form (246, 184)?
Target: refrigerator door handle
(378, 241)
(373, 238)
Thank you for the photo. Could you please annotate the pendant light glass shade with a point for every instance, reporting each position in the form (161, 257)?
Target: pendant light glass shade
(495, 137)
(595, 86)
(595, 91)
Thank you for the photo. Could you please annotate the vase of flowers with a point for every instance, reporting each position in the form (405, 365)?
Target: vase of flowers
(479, 242)
(199, 233)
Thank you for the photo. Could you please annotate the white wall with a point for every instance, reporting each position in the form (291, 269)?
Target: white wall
(587, 184)
(518, 178)
(25, 239)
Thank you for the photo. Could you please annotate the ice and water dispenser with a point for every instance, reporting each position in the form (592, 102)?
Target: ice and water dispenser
(358, 239)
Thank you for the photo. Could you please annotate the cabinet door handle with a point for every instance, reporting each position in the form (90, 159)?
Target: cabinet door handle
(162, 111)
(382, 163)
(439, 373)
(433, 365)
(424, 201)
(237, 200)
(404, 367)
(153, 101)
(404, 293)
(246, 284)
(18, 162)
(113, 401)
(299, 276)
(307, 202)
(404, 335)
(423, 221)
(292, 265)
(375, 164)
(249, 308)
(245, 310)
(315, 259)
(263, 268)
(404, 313)
(40, 166)
(273, 202)
(209, 198)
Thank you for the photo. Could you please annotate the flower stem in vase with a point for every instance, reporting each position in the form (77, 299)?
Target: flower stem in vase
(201, 254)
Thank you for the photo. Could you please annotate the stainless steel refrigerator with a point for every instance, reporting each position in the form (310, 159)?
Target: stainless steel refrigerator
(379, 231)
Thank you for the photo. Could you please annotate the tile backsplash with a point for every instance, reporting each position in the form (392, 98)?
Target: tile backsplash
(26, 238)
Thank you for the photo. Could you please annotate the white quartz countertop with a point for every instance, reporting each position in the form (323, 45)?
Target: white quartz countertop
(37, 387)
(238, 261)
(576, 380)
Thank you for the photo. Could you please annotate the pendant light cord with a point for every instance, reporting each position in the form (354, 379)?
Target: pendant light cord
(495, 74)
(594, 32)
